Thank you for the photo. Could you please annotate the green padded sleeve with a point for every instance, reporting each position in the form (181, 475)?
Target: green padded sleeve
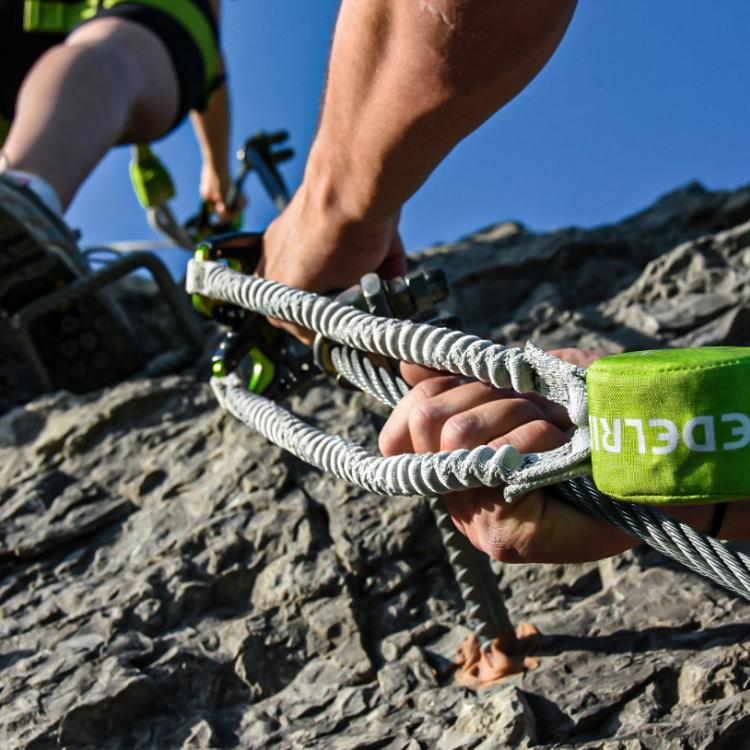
(671, 426)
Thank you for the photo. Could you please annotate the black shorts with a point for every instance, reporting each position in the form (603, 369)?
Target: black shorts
(187, 28)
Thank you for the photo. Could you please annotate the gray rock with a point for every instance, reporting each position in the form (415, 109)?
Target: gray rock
(169, 580)
(502, 718)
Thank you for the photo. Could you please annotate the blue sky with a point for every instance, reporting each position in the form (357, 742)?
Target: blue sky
(642, 96)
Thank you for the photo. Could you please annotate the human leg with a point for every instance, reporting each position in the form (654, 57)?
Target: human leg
(130, 74)
(112, 81)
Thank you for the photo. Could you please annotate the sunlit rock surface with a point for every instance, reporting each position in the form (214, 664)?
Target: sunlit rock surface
(170, 580)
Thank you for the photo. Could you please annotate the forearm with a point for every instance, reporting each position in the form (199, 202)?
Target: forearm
(408, 81)
(212, 132)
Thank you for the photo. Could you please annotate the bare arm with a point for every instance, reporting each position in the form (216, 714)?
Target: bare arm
(407, 81)
(212, 133)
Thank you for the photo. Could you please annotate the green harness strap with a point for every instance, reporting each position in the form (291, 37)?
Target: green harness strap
(151, 180)
(57, 17)
(194, 22)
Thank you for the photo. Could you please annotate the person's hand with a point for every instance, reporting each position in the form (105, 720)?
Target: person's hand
(309, 249)
(214, 187)
(445, 412)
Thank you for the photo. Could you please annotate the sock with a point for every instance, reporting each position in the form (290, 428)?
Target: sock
(43, 190)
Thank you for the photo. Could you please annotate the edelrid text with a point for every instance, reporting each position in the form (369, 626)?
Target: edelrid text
(663, 436)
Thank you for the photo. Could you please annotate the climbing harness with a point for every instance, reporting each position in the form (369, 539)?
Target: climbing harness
(56, 17)
(356, 331)
(60, 17)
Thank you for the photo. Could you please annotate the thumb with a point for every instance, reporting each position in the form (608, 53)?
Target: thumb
(220, 209)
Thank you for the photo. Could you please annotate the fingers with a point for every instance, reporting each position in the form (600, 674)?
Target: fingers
(447, 413)
(535, 436)
(558, 415)
(221, 210)
(520, 423)
(240, 203)
(219, 206)
(305, 335)
(394, 263)
(395, 437)
(224, 212)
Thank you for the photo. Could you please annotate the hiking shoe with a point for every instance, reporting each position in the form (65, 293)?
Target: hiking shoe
(84, 344)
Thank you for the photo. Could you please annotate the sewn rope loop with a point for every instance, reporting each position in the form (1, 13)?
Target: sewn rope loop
(419, 343)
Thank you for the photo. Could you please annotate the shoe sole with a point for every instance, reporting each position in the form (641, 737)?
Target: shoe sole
(82, 345)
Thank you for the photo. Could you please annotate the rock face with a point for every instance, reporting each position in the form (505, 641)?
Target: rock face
(170, 580)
